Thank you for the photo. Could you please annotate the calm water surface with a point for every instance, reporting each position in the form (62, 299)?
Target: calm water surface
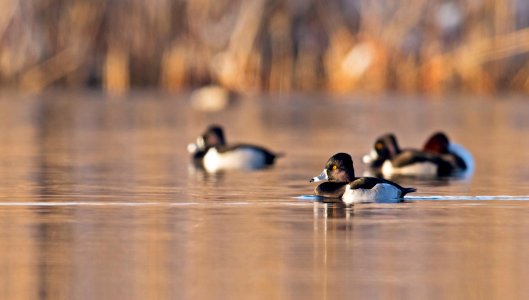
(98, 201)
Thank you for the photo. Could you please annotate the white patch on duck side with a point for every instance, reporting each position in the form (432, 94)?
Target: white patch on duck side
(465, 155)
(423, 168)
(381, 192)
(237, 159)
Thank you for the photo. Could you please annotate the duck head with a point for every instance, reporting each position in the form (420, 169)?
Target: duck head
(385, 147)
(338, 168)
(212, 137)
(437, 143)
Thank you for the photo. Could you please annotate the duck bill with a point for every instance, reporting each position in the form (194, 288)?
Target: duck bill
(322, 176)
(371, 157)
(192, 148)
(199, 145)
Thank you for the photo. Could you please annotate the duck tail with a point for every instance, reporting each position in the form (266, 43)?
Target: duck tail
(408, 190)
(271, 157)
(279, 154)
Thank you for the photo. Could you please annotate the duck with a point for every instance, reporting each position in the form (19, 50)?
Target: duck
(341, 182)
(212, 153)
(438, 157)
(458, 156)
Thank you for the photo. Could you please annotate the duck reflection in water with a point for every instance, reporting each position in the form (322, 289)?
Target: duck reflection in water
(212, 153)
(333, 210)
(333, 217)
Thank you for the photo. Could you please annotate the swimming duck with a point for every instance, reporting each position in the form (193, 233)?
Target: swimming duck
(342, 183)
(213, 153)
(438, 157)
(459, 158)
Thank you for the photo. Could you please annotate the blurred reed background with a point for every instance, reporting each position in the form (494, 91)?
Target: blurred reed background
(266, 45)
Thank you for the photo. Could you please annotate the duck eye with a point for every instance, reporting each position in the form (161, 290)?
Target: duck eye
(379, 146)
(334, 167)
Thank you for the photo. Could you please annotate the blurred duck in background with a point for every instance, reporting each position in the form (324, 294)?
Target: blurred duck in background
(212, 153)
(438, 157)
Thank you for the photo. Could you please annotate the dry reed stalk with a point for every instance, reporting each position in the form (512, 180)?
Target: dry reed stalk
(116, 71)
(7, 11)
(231, 64)
(281, 60)
(47, 72)
(263, 45)
(174, 68)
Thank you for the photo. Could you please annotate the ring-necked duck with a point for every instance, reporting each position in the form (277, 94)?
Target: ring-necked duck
(213, 153)
(459, 157)
(342, 183)
(438, 157)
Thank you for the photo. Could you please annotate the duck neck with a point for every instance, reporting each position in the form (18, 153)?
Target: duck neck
(345, 175)
(350, 175)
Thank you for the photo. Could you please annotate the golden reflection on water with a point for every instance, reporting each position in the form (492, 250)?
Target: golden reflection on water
(418, 250)
(428, 251)
(97, 200)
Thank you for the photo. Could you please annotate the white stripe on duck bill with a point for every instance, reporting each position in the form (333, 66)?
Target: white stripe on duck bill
(381, 192)
(237, 159)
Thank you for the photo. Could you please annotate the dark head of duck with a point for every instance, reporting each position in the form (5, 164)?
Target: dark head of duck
(437, 143)
(212, 137)
(340, 168)
(386, 147)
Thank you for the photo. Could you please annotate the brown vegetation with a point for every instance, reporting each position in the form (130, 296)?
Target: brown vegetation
(266, 45)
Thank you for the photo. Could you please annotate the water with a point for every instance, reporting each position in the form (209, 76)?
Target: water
(98, 201)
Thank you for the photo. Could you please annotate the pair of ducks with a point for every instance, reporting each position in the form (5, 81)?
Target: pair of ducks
(439, 157)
